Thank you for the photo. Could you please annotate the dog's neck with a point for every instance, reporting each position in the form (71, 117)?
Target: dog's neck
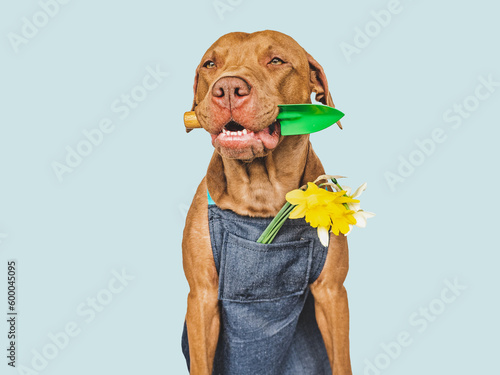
(258, 188)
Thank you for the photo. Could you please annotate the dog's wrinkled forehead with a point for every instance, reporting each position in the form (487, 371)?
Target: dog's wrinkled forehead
(235, 48)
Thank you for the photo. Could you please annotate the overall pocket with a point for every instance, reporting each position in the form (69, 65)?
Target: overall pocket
(252, 271)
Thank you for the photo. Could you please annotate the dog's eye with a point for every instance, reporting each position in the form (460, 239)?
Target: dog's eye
(276, 61)
(209, 64)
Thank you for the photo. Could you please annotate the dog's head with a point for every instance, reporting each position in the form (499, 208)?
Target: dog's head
(239, 83)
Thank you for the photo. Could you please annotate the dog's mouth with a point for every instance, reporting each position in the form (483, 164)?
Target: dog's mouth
(233, 129)
(235, 136)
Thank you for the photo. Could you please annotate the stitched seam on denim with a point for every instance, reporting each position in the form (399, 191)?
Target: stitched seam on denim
(213, 239)
(222, 273)
(248, 300)
(286, 224)
(309, 263)
(277, 246)
(214, 210)
(320, 264)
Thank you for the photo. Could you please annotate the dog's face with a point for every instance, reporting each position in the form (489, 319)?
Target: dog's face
(239, 83)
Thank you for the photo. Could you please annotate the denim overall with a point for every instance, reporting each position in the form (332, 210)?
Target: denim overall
(268, 326)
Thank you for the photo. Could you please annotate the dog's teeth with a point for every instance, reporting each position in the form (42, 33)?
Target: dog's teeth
(244, 131)
(233, 133)
(239, 133)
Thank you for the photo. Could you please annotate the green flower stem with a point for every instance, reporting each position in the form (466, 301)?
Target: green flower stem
(279, 224)
(272, 224)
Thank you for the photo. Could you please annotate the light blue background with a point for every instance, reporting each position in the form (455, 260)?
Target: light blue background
(124, 206)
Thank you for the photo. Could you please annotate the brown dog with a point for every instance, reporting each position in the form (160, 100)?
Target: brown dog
(239, 83)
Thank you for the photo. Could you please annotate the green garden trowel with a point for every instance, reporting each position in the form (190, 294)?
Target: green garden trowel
(294, 118)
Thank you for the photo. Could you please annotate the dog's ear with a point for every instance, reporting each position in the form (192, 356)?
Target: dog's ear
(195, 86)
(319, 84)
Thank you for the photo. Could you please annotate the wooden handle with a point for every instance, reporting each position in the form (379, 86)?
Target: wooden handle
(190, 121)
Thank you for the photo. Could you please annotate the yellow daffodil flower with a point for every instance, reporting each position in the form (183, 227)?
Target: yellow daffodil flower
(328, 211)
(322, 209)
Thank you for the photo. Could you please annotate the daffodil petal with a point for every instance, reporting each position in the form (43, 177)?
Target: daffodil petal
(368, 214)
(296, 196)
(347, 189)
(318, 218)
(354, 206)
(298, 212)
(360, 219)
(359, 190)
(323, 235)
(335, 230)
(312, 186)
(346, 200)
(351, 219)
(343, 227)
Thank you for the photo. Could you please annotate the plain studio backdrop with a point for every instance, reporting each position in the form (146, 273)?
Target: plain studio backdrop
(97, 174)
